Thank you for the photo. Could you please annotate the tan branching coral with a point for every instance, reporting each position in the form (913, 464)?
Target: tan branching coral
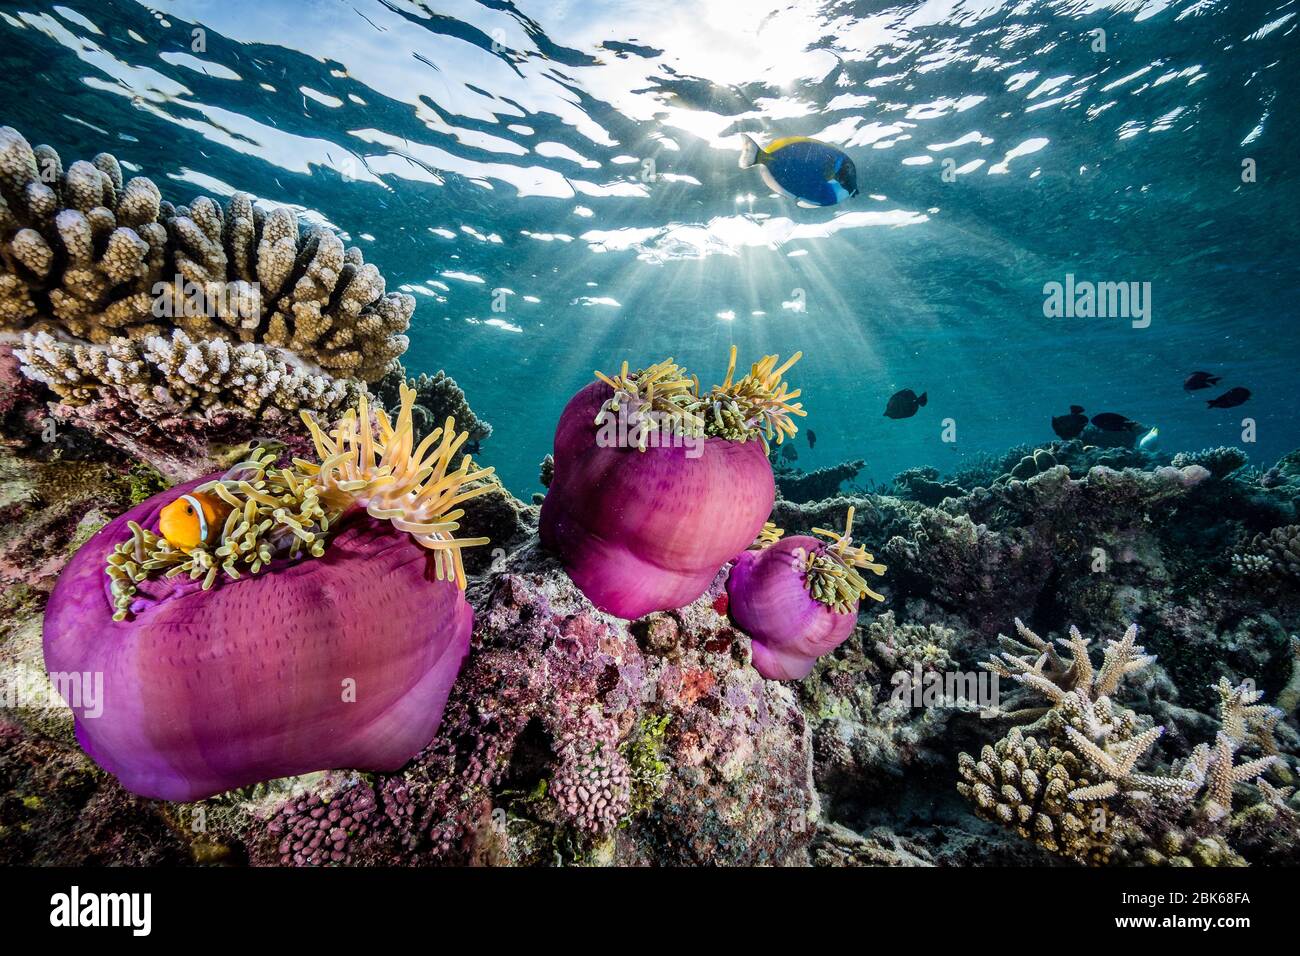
(1273, 557)
(1025, 785)
(179, 375)
(1093, 751)
(1036, 665)
(89, 255)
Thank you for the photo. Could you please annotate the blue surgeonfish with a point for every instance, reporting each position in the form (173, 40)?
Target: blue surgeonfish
(812, 172)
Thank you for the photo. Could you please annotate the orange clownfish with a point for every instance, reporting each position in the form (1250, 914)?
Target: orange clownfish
(193, 519)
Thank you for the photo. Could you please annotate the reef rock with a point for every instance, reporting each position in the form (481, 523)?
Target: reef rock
(575, 736)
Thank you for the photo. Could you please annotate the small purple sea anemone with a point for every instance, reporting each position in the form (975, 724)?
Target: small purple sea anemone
(656, 486)
(317, 632)
(797, 598)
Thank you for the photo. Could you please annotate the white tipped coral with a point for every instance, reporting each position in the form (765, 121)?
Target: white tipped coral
(415, 489)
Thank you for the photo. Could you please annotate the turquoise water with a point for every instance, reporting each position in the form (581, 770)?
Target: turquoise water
(582, 156)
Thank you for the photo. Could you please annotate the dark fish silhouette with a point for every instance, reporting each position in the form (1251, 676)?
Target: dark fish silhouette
(812, 438)
(1069, 426)
(1200, 380)
(1231, 398)
(904, 404)
(1111, 422)
(789, 453)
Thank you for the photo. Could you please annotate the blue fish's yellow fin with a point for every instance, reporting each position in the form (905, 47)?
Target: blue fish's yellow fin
(786, 141)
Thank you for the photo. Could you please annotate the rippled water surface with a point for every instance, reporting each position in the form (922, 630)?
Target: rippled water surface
(581, 156)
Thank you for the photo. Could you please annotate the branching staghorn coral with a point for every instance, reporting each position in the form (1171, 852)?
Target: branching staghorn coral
(87, 254)
(1093, 749)
(664, 400)
(1036, 665)
(904, 646)
(178, 375)
(288, 512)
(1273, 557)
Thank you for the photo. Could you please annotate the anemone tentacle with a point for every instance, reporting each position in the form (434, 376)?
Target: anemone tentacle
(288, 512)
(831, 573)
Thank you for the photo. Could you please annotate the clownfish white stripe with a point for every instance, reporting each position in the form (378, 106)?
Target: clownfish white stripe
(198, 510)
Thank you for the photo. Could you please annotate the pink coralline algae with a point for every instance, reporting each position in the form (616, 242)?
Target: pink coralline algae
(549, 749)
(797, 598)
(656, 486)
(591, 786)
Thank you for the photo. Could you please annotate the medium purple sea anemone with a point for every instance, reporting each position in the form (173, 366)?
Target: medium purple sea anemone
(319, 632)
(797, 598)
(656, 486)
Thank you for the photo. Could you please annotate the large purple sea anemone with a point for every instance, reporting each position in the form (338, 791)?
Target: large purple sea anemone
(644, 524)
(797, 599)
(226, 677)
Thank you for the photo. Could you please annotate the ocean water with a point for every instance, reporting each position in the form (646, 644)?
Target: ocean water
(557, 183)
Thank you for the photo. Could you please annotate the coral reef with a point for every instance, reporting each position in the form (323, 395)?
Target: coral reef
(162, 328)
(1078, 792)
(1219, 462)
(325, 825)
(572, 737)
(800, 486)
(437, 398)
(1273, 557)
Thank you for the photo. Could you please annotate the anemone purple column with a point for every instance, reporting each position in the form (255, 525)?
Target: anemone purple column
(769, 600)
(345, 660)
(641, 531)
(797, 598)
